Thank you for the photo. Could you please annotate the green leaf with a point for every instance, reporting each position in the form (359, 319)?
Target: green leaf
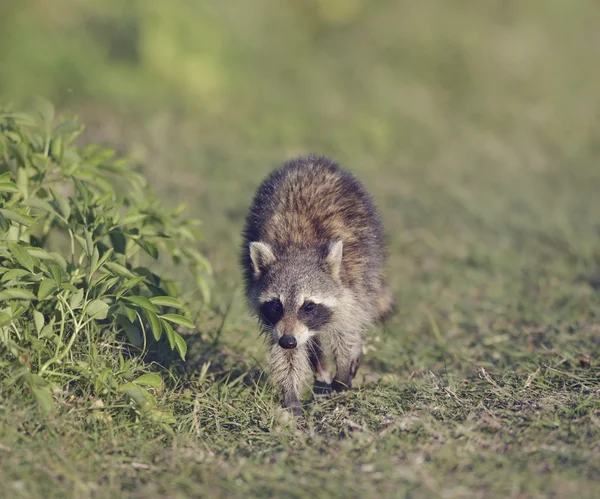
(93, 263)
(43, 397)
(22, 180)
(16, 294)
(120, 270)
(130, 313)
(39, 253)
(118, 241)
(127, 285)
(14, 274)
(154, 324)
(168, 329)
(180, 345)
(57, 149)
(22, 256)
(89, 244)
(56, 272)
(17, 309)
(62, 263)
(166, 301)
(71, 161)
(46, 288)
(106, 285)
(170, 287)
(69, 287)
(41, 204)
(107, 254)
(5, 319)
(81, 241)
(13, 136)
(63, 204)
(136, 394)
(46, 332)
(148, 247)
(97, 309)
(151, 277)
(67, 127)
(38, 160)
(93, 178)
(131, 218)
(76, 299)
(8, 187)
(179, 320)
(163, 417)
(142, 302)
(21, 119)
(203, 287)
(18, 152)
(38, 319)
(149, 379)
(132, 331)
(35, 142)
(25, 220)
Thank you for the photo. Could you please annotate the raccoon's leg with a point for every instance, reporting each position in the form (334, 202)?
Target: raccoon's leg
(318, 362)
(290, 371)
(348, 355)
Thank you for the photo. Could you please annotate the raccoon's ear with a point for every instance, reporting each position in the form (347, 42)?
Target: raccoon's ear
(333, 259)
(262, 257)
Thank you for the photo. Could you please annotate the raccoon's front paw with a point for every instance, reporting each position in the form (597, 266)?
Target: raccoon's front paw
(322, 388)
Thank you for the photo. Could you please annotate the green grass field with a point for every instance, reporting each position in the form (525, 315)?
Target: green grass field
(475, 127)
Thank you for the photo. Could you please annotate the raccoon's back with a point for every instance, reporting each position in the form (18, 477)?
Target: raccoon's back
(310, 201)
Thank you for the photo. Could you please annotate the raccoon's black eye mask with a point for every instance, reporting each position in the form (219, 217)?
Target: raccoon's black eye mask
(272, 311)
(314, 315)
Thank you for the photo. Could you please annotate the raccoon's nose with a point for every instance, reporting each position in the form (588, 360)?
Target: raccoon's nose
(287, 342)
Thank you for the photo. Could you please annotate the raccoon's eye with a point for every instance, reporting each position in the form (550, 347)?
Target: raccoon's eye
(276, 306)
(272, 311)
(308, 307)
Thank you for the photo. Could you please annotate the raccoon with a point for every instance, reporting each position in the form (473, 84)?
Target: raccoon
(313, 259)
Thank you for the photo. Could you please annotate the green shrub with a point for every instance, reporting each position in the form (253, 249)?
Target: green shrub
(77, 225)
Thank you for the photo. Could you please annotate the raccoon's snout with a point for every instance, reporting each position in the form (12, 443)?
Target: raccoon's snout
(287, 342)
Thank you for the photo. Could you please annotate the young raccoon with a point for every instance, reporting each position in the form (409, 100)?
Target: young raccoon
(313, 258)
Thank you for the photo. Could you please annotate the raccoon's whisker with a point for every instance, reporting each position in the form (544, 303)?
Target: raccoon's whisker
(267, 323)
(268, 329)
(313, 345)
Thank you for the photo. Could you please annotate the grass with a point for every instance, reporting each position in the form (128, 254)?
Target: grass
(475, 127)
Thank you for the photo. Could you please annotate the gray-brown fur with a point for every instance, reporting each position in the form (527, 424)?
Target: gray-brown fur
(313, 258)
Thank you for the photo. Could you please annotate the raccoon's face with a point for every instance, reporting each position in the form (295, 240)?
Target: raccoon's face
(295, 294)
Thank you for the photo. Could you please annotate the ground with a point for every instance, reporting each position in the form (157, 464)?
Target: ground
(476, 130)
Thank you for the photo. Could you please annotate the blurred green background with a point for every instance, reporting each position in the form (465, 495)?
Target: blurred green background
(392, 72)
